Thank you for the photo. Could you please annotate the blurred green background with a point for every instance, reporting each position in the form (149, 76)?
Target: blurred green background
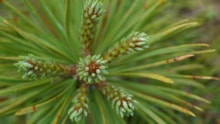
(208, 13)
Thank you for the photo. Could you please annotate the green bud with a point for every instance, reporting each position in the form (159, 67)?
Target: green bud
(92, 69)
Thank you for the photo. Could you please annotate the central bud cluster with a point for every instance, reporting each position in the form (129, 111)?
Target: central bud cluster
(92, 69)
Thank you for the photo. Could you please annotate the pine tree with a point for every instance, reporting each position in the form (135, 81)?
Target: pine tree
(93, 61)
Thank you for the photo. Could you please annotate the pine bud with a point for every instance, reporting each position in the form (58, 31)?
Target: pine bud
(92, 69)
(121, 100)
(134, 42)
(79, 107)
(91, 14)
(36, 68)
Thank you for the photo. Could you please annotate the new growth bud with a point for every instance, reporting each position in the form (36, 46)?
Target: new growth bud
(92, 69)
(36, 68)
(79, 107)
(134, 42)
(93, 9)
(121, 100)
